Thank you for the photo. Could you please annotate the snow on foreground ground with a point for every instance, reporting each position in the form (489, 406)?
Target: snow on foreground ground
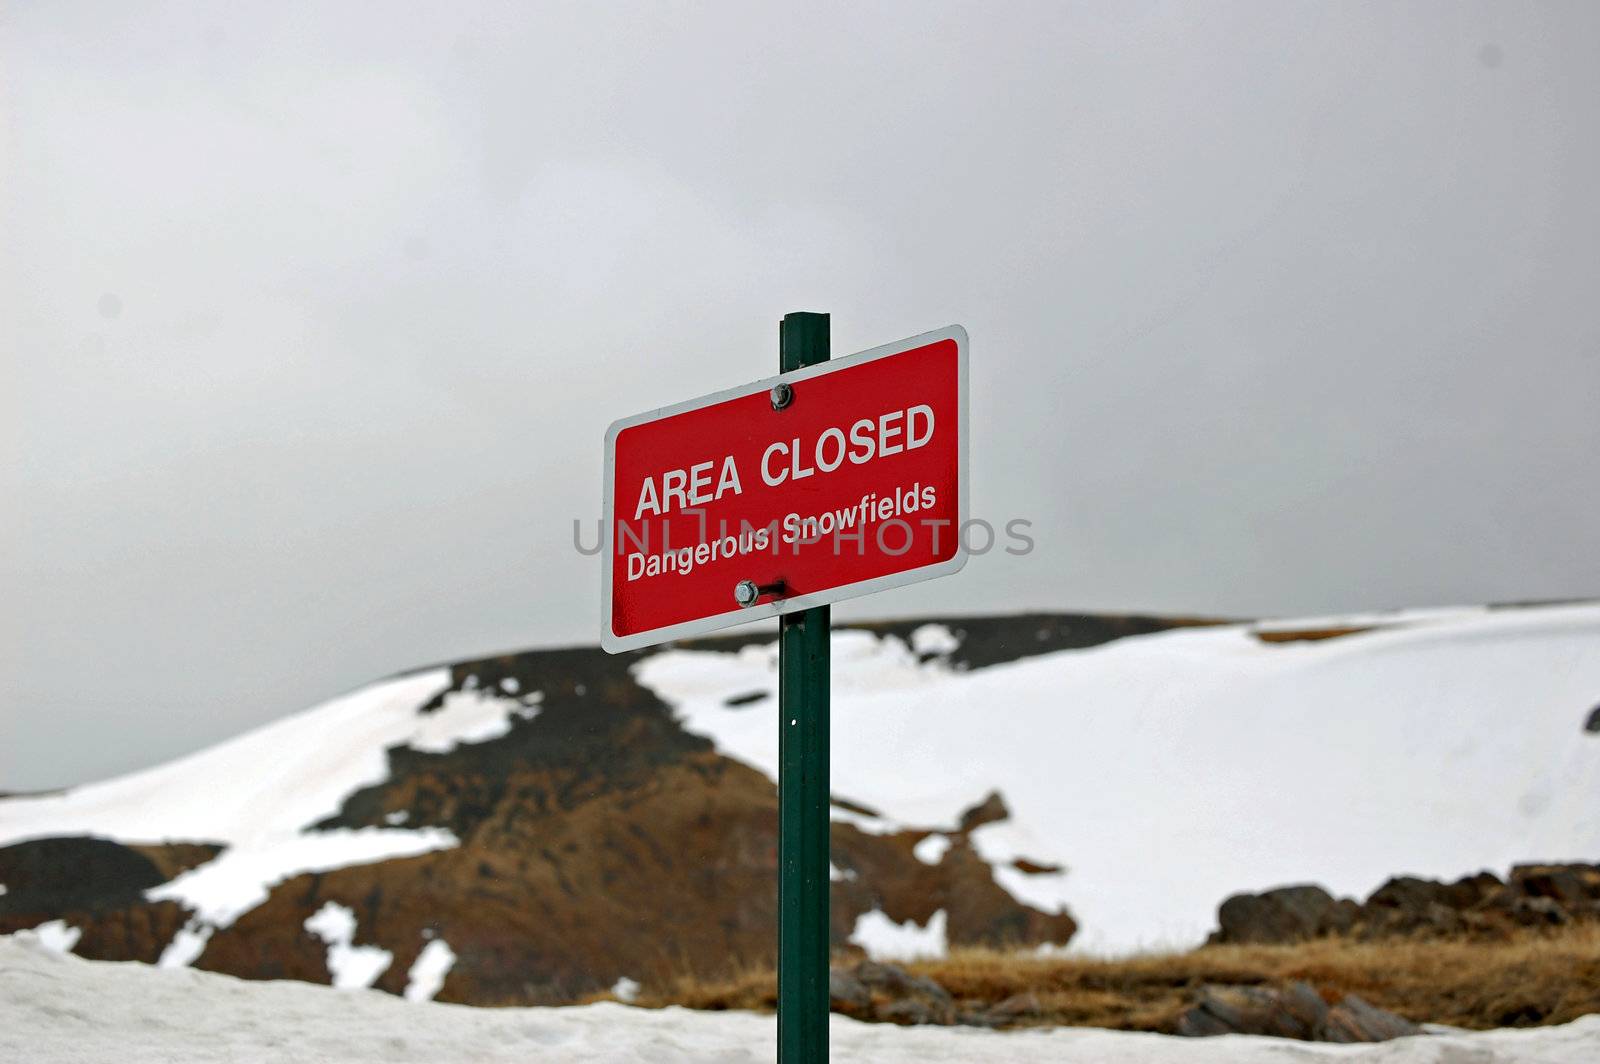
(1169, 771)
(59, 1009)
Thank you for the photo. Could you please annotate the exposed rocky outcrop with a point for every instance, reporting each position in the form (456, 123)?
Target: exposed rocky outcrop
(97, 887)
(1483, 904)
(1295, 1011)
(73, 873)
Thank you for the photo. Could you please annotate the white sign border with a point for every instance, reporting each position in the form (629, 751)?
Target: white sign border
(737, 615)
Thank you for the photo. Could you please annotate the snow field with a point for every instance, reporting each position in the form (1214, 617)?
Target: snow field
(60, 1009)
(1168, 771)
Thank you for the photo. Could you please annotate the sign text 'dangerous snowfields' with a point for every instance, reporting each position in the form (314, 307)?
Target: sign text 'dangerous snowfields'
(854, 485)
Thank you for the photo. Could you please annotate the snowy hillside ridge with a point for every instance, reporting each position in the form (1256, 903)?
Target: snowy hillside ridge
(492, 823)
(262, 795)
(278, 778)
(259, 795)
(1147, 773)
(1167, 771)
(142, 1017)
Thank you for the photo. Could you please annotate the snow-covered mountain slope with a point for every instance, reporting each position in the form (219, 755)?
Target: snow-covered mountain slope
(1161, 772)
(62, 1010)
(539, 819)
(1170, 770)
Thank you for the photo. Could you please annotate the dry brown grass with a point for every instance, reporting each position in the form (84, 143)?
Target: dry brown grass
(1530, 978)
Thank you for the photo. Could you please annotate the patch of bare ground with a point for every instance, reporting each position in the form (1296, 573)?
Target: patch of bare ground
(1308, 635)
(1528, 978)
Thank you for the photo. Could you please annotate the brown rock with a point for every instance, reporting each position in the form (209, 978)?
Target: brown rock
(909, 1011)
(1571, 885)
(905, 998)
(1016, 1007)
(847, 994)
(1539, 912)
(1295, 1011)
(1302, 1006)
(1353, 1020)
(1230, 1010)
(1287, 914)
(1410, 894)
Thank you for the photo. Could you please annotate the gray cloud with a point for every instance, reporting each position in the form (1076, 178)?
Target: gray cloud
(313, 317)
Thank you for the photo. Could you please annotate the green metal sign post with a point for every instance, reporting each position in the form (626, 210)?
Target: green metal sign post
(803, 798)
(904, 407)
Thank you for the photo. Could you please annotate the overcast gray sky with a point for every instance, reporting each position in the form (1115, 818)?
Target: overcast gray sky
(313, 316)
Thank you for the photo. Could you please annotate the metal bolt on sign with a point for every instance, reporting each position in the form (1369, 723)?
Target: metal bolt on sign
(747, 592)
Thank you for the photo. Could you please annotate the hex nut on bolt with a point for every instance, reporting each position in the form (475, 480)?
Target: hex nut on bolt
(745, 593)
(782, 395)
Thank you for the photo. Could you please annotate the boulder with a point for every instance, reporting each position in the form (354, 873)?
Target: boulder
(846, 993)
(1539, 912)
(1475, 890)
(1287, 914)
(872, 990)
(1572, 885)
(896, 980)
(1354, 1020)
(1410, 894)
(1294, 1011)
(1016, 1007)
(911, 1012)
